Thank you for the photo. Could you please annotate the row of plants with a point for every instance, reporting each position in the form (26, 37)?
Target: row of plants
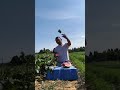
(19, 74)
(43, 63)
(17, 77)
(105, 76)
(78, 60)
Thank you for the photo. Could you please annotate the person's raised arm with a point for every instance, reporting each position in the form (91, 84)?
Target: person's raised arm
(68, 41)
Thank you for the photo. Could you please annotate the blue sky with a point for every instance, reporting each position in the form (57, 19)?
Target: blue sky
(51, 15)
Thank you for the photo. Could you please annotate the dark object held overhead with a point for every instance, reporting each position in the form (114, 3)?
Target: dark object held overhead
(59, 31)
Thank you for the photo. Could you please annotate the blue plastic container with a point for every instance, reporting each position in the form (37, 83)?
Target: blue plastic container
(61, 73)
(49, 76)
(56, 73)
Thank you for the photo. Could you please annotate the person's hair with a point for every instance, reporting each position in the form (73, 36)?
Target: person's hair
(57, 38)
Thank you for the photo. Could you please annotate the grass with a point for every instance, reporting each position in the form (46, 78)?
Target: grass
(103, 75)
(78, 59)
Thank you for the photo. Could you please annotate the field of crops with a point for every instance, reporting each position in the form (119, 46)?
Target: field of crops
(22, 77)
(77, 59)
(16, 77)
(103, 75)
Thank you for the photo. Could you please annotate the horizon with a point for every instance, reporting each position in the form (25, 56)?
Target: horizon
(51, 50)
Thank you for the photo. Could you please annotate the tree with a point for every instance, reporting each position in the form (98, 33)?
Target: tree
(41, 51)
(22, 57)
(15, 60)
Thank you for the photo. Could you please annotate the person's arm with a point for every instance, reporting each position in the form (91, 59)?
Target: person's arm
(68, 41)
(55, 58)
(55, 54)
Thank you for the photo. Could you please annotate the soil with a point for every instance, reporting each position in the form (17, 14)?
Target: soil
(59, 84)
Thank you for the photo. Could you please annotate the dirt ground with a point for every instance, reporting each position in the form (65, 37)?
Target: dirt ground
(59, 84)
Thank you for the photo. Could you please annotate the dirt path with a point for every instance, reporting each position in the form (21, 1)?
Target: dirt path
(58, 84)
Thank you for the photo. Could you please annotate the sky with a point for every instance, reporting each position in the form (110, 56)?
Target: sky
(100, 26)
(16, 28)
(51, 15)
(102, 30)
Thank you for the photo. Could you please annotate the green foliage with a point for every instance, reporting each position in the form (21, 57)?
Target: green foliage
(107, 55)
(103, 75)
(79, 49)
(19, 73)
(17, 77)
(23, 75)
(44, 51)
(43, 61)
(19, 60)
(78, 59)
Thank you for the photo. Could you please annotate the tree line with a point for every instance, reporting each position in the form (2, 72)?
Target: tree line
(79, 49)
(107, 55)
(44, 50)
(18, 60)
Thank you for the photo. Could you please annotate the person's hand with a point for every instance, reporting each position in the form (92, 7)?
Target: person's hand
(63, 35)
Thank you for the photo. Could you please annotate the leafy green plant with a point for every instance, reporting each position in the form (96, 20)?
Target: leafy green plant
(42, 63)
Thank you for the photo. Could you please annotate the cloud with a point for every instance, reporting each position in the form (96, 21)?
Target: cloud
(77, 34)
(77, 39)
(56, 14)
(77, 43)
(83, 36)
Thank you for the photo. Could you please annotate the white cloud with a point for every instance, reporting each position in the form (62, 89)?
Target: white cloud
(83, 36)
(77, 35)
(77, 43)
(56, 14)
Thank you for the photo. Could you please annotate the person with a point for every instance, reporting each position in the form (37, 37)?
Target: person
(61, 51)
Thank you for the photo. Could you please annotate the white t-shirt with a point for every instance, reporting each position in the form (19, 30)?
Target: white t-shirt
(62, 51)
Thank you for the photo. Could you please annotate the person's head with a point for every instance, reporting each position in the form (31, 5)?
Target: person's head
(58, 40)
